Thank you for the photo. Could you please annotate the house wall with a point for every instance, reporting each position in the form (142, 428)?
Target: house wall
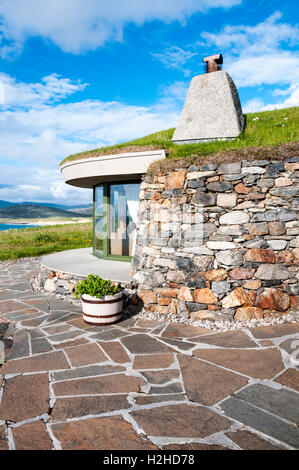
(220, 241)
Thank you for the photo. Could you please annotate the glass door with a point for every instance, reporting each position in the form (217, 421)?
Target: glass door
(115, 219)
(99, 234)
(123, 213)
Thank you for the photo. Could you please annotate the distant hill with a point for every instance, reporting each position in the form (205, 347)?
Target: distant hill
(36, 211)
(84, 211)
(5, 203)
(48, 204)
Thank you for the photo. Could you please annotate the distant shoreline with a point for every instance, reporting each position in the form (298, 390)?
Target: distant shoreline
(44, 221)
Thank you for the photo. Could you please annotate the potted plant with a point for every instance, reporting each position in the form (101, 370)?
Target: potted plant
(101, 301)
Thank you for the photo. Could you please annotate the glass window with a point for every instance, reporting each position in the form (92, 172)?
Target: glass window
(123, 213)
(99, 233)
(115, 219)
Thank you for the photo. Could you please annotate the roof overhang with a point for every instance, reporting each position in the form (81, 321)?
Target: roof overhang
(87, 172)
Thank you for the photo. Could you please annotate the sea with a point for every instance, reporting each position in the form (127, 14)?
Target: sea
(12, 226)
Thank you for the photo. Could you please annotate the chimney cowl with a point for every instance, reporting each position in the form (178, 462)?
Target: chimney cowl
(213, 62)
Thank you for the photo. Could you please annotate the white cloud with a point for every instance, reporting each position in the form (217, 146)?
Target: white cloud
(263, 54)
(291, 100)
(177, 91)
(81, 25)
(278, 68)
(53, 88)
(36, 133)
(174, 57)
(265, 37)
(289, 91)
(259, 54)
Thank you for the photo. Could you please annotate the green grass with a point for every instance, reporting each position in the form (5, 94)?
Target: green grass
(269, 128)
(44, 220)
(39, 241)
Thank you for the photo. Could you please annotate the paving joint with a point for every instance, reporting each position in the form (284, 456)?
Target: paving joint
(130, 380)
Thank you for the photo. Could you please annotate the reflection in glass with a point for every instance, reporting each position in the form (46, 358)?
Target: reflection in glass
(124, 201)
(99, 234)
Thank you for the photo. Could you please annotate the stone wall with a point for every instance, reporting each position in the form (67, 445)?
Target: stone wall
(220, 241)
(64, 284)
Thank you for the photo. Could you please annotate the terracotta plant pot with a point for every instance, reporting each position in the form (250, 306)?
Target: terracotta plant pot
(104, 311)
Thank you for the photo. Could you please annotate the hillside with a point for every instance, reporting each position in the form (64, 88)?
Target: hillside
(265, 130)
(5, 203)
(34, 211)
(82, 211)
(48, 204)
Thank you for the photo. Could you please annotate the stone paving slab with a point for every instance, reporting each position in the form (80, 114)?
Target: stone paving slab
(149, 399)
(69, 344)
(248, 441)
(20, 346)
(115, 351)
(180, 421)
(260, 364)
(143, 344)
(161, 377)
(87, 371)
(275, 331)
(40, 345)
(82, 355)
(208, 384)
(112, 433)
(24, 397)
(168, 389)
(282, 403)
(258, 419)
(175, 330)
(290, 345)
(8, 306)
(140, 384)
(289, 378)
(32, 436)
(74, 407)
(229, 339)
(117, 383)
(3, 438)
(109, 335)
(182, 345)
(153, 361)
(193, 446)
(41, 362)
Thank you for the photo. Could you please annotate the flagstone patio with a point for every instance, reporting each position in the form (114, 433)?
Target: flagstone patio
(140, 384)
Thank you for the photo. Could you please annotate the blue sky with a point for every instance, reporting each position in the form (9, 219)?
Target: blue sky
(80, 74)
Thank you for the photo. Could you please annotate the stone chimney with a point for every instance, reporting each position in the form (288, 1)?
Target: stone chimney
(212, 109)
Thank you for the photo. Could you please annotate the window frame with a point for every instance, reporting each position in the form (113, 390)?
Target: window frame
(106, 217)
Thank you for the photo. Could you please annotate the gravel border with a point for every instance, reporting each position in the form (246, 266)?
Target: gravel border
(219, 326)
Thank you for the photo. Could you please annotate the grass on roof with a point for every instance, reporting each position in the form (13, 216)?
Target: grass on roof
(268, 128)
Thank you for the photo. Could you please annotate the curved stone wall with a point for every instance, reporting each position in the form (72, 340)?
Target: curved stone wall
(220, 240)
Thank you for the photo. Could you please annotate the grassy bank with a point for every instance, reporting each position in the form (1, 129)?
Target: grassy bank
(39, 241)
(45, 220)
(269, 128)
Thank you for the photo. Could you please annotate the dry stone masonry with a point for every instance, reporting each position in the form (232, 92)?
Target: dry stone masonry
(220, 241)
(64, 285)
